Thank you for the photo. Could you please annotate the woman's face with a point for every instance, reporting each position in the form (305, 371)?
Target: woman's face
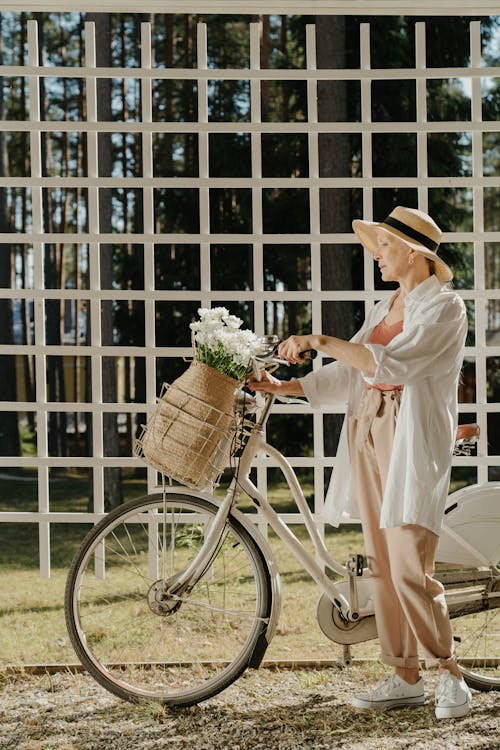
(392, 257)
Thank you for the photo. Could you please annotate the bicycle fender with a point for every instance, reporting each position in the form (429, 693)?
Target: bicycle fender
(471, 526)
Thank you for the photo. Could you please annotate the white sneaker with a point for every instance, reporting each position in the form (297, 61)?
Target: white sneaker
(453, 697)
(391, 692)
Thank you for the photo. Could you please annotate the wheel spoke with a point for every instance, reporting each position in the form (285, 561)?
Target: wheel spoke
(228, 612)
(125, 556)
(478, 652)
(119, 619)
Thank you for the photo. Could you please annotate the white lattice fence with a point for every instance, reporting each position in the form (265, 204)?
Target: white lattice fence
(476, 76)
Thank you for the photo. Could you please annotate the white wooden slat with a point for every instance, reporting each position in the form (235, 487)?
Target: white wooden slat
(257, 216)
(132, 351)
(479, 264)
(421, 106)
(228, 239)
(366, 149)
(150, 352)
(256, 163)
(236, 74)
(130, 463)
(148, 207)
(321, 7)
(165, 295)
(259, 182)
(95, 284)
(204, 180)
(39, 308)
(138, 407)
(256, 166)
(440, 126)
(95, 277)
(315, 227)
(63, 406)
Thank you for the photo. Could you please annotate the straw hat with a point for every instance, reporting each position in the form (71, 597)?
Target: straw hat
(415, 228)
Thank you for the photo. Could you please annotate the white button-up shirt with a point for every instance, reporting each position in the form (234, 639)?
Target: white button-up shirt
(426, 357)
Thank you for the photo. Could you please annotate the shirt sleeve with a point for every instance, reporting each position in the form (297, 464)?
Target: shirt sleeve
(327, 386)
(430, 348)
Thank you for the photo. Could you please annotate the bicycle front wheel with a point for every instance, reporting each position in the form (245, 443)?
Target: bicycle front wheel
(205, 641)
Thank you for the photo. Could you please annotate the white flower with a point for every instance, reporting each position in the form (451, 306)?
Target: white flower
(233, 322)
(220, 333)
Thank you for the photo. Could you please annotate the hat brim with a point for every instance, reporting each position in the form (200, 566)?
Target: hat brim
(367, 232)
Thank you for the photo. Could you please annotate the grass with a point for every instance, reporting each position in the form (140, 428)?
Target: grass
(34, 630)
(69, 492)
(32, 609)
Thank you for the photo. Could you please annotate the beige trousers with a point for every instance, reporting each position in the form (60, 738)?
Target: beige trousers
(410, 607)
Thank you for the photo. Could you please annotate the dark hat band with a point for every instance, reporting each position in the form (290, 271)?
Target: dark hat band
(410, 232)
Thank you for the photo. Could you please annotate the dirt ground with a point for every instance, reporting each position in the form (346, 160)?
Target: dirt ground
(268, 709)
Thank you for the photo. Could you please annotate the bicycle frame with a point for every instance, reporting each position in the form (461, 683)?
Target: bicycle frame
(244, 585)
(241, 482)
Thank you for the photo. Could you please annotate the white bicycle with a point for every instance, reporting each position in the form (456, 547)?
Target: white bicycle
(172, 596)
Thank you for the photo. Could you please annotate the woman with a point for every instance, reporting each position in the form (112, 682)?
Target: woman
(399, 376)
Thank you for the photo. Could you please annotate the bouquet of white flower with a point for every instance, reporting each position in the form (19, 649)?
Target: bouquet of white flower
(219, 342)
(189, 437)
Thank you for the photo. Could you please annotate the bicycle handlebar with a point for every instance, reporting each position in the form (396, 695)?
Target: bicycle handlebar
(270, 358)
(270, 349)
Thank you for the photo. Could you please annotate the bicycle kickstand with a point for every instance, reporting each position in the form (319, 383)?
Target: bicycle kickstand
(354, 568)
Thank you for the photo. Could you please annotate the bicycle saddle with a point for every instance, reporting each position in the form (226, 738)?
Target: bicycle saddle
(467, 431)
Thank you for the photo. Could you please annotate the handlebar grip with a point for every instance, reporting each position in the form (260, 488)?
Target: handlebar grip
(309, 354)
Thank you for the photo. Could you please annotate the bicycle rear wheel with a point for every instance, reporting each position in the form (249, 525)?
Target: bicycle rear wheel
(472, 513)
(477, 638)
(207, 639)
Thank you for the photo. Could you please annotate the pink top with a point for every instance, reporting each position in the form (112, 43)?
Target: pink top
(382, 334)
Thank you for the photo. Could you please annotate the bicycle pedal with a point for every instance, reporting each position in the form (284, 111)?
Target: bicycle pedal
(354, 564)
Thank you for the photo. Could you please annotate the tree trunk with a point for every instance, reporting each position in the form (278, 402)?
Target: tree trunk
(167, 140)
(334, 161)
(112, 476)
(265, 54)
(28, 360)
(9, 430)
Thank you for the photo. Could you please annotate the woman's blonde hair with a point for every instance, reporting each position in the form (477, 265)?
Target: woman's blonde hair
(432, 270)
(432, 266)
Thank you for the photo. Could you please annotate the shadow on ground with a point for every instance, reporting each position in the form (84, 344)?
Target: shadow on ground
(263, 710)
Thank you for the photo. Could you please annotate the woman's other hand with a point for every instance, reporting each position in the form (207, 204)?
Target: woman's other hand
(270, 384)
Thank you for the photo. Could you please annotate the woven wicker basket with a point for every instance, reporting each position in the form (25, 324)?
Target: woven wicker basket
(189, 436)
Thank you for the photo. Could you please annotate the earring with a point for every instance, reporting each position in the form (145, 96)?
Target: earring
(411, 260)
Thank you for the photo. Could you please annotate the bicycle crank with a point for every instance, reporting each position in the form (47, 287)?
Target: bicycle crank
(340, 630)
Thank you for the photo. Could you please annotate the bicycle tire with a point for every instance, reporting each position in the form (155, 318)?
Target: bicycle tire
(477, 646)
(185, 657)
(472, 513)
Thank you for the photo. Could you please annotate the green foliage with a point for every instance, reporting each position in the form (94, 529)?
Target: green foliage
(222, 361)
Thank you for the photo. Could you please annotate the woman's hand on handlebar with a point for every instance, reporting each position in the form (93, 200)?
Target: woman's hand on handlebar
(267, 384)
(270, 384)
(294, 348)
